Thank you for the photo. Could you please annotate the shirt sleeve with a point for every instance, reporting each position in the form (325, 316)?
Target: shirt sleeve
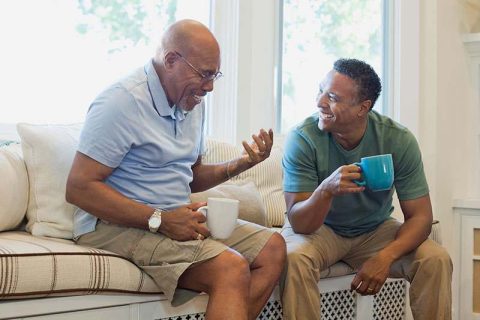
(299, 164)
(108, 133)
(410, 181)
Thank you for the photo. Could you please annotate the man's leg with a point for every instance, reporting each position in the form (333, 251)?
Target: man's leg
(428, 269)
(307, 256)
(237, 290)
(226, 279)
(265, 272)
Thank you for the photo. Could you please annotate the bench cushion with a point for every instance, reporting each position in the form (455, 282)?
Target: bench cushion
(39, 267)
(34, 266)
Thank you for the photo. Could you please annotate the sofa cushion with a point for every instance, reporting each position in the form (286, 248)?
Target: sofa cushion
(39, 267)
(251, 207)
(267, 176)
(13, 186)
(48, 152)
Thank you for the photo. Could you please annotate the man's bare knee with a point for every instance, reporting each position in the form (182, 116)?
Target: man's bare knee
(228, 269)
(274, 252)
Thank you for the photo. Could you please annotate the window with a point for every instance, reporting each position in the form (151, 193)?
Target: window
(58, 55)
(316, 33)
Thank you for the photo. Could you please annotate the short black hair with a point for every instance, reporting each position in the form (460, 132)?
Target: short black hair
(369, 85)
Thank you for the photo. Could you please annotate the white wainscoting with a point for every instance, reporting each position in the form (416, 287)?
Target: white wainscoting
(467, 220)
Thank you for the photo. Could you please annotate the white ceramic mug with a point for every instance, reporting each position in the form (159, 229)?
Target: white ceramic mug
(221, 214)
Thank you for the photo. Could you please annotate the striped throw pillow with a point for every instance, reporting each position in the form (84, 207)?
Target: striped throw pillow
(267, 175)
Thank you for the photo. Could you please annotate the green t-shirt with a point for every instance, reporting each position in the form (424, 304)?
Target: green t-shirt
(311, 155)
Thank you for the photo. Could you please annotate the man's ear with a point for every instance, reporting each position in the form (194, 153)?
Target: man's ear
(170, 59)
(365, 107)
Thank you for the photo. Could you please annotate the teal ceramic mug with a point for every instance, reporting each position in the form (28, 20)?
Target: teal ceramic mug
(377, 172)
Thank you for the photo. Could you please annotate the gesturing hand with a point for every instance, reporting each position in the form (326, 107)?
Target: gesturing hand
(341, 181)
(185, 223)
(259, 149)
(371, 276)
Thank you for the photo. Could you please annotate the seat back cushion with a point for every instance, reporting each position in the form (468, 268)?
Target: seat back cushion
(13, 186)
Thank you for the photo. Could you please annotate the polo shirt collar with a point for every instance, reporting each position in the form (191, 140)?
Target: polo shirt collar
(159, 96)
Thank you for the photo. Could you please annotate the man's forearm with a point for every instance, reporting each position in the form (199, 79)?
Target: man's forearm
(411, 234)
(206, 176)
(106, 203)
(308, 215)
(416, 228)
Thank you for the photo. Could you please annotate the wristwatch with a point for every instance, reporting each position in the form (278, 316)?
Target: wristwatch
(155, 220)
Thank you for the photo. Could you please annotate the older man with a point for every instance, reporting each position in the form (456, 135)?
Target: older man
(331, 218)
(140, 156)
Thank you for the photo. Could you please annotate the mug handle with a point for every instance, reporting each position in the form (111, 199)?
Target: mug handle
(360, 182)
(203, 210)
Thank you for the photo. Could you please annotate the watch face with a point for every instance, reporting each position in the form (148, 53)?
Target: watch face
(154, 222)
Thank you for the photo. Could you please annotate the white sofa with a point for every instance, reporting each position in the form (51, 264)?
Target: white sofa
(44, 275)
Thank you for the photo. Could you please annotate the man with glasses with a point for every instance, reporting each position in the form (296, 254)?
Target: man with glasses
(138, 160)
(332, 218)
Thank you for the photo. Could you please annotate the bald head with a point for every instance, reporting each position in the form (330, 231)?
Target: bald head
(188, 37)
(187, 62)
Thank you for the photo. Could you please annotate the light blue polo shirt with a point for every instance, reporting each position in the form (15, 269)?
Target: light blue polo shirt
(151, 146)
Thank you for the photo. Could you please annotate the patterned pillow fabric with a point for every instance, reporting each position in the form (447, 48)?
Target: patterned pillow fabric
(251, 207)
(13, 186)
(48, 151)
(267, 175)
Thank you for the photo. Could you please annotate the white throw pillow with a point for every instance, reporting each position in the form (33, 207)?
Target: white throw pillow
(13, 187)
(48, 151)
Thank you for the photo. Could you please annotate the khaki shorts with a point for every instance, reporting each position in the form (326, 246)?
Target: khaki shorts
(165, 259)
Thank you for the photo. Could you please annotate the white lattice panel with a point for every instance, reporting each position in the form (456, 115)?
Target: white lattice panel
(389, 303)
(196, 316)
(338, 305)
(271, 311)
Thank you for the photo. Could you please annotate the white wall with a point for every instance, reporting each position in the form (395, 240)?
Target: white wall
(448, 114)
(448, 117)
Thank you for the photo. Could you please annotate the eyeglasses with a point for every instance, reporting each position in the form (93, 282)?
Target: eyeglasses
(205, 77)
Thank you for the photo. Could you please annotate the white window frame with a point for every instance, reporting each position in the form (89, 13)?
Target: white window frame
(248, 33)
(405, 75)
(244, 101)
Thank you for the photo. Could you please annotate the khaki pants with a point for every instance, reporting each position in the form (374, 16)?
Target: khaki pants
(428, 269)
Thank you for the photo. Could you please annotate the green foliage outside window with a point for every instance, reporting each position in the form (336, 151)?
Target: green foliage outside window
(338, 28)
(316, 33)
(126, 22)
